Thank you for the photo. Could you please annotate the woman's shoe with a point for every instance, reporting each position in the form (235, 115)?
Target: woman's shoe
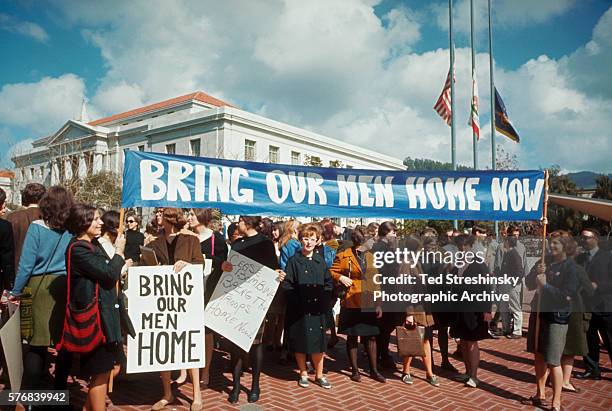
(433, 380)
(303, 381)
(376, 376)
(254, 395)
(571, 388)
(535, 401)
(446, 365)
(196, 406)
(407, 379)
(471, 383)
(233, 396)
(161, 404)
(462, 377)
(323, 383)
(355, 376)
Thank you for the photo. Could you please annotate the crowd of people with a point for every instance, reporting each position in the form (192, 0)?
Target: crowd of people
(58, 255)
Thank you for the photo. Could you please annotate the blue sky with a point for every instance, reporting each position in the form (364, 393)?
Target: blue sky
(276, 61)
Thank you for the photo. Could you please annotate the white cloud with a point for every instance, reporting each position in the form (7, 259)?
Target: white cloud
(335, 68)
(42, 106)
(505, 13)
(25, 28)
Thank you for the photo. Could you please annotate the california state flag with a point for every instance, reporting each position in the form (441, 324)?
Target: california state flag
(474, 110)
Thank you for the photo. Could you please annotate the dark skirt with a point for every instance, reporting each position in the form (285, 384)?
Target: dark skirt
(470, 327)
(355, 322)
(100, 360)
(576, 340)
(307, 334)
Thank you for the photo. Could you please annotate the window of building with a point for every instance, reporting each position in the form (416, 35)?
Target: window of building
(42, 172)
(296, 158)
(141, 148)
(171, 148)
(249, 150)
(273, 154)
(33, 172)
(194, 147)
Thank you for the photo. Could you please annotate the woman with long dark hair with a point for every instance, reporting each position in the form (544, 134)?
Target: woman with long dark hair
(42, 269)
(93, 276)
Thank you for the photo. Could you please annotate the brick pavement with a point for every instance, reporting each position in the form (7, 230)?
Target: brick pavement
(506, 375)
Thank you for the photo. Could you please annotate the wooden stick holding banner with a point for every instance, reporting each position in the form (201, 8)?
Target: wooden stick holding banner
(543, 262)
(120, 231)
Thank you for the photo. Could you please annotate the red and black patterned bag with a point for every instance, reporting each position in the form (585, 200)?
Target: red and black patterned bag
(82, 331)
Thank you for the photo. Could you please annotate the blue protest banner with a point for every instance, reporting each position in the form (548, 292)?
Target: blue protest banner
(250, 188)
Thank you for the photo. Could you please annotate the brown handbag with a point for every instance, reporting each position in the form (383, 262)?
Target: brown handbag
(410, 341)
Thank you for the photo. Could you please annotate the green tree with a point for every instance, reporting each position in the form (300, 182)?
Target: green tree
(101, 190)
(562, 218)
(426, 164)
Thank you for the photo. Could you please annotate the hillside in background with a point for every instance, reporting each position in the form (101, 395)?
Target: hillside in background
(585, 179)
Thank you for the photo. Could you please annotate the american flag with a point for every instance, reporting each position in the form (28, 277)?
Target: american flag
(443, 105)
(474, 110)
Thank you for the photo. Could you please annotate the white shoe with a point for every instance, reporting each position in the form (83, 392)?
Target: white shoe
(471, 382)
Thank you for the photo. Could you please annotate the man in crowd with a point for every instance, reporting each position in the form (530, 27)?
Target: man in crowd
(598, 265)
(7, 261)
(515, 308)
(21, 219)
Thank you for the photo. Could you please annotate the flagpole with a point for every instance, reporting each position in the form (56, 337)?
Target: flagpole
(474, 139)
(491, 80)
(452, 82)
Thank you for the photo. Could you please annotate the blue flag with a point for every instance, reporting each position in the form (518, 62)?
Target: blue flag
(502, 122)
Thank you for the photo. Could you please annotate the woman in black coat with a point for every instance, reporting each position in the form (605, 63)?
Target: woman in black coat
(259, 248)
(88, 270)
(557, 283)
(308, 288)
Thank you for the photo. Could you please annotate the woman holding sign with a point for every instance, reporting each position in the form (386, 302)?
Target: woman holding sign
(213, 246)
(259, 248)
(178, 249)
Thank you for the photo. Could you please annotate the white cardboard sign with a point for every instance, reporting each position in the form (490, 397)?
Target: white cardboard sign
(167, 311)
(241, 300)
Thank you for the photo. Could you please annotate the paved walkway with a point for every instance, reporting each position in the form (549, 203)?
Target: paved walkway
(506, 375)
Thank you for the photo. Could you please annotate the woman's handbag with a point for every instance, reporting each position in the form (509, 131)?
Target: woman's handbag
(410, 341)
(82, 331)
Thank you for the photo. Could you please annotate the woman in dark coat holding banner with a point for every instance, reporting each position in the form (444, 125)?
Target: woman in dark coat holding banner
(91, 273)
(308, 288)
(174, 248)
(558, 284)
(259, 248)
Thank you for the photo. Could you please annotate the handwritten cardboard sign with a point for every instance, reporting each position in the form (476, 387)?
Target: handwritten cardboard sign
(241, 300)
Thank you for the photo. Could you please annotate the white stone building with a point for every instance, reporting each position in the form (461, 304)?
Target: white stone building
(195, 124)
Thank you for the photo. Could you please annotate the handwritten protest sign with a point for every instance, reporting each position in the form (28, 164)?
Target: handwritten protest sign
(167, 311)
(241, 300)
(10, 335)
